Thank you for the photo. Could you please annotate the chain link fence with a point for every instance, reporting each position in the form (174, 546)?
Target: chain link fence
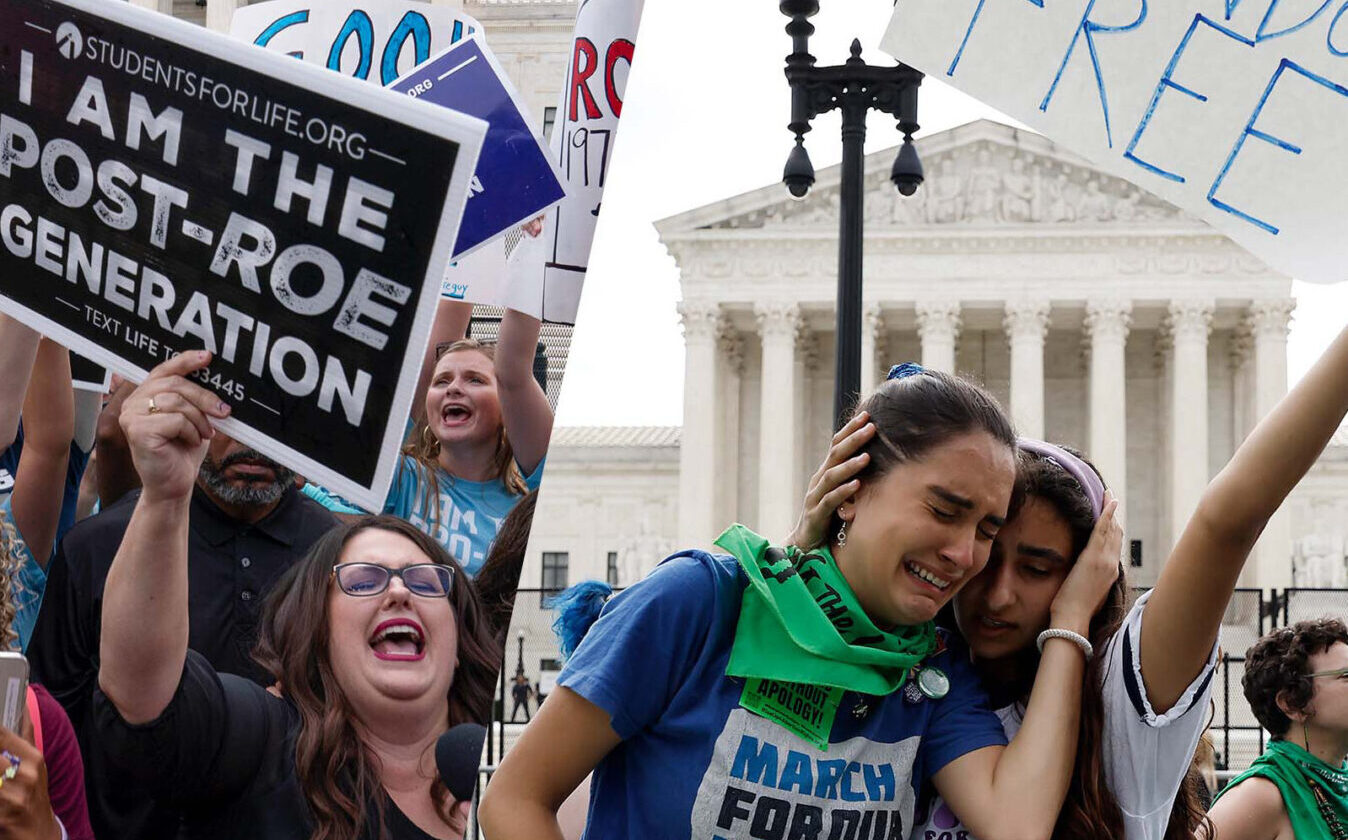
(554, 347)
(1236, 736)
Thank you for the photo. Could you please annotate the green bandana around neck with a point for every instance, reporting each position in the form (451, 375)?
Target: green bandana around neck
(1298, 773)
(801, 623)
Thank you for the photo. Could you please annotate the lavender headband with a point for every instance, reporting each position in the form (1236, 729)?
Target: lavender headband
(1075, 467)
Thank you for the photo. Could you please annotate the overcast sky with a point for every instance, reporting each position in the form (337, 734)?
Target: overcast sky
(705, 119)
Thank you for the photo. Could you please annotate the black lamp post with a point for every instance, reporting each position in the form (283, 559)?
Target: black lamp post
(855, 88)
(519, 663)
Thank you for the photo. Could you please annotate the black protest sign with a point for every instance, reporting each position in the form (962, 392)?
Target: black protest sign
(88, 375)
(164, 188)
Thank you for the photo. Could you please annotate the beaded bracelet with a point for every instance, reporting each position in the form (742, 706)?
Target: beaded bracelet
(1075, 638)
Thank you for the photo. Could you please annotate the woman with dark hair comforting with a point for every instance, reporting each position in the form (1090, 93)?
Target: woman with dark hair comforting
(377, 645)
(1142, 707)
(763, 693)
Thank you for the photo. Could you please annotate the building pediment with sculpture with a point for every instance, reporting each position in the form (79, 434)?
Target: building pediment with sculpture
(981, 175)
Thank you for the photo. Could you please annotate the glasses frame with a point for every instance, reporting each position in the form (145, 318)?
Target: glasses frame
(1337, 672)
(389, 575)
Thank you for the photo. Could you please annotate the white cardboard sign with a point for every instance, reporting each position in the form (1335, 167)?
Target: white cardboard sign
(1235, 110)
(377, 41)
(547, 272)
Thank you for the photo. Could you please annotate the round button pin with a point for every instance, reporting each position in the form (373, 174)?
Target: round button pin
(933, 682)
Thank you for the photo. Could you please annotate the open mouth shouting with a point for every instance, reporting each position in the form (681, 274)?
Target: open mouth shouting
(399, 640)
(926, 577)
(453, 414)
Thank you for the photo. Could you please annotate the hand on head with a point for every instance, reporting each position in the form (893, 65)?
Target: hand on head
(833, 482)
(167, 423)
(25, 806)
(1095, 571)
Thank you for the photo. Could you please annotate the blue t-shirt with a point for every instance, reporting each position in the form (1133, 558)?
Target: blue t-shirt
(79, 461)
(471, 512)
(694, 764)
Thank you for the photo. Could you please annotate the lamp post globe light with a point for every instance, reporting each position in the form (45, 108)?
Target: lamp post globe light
(855, 88)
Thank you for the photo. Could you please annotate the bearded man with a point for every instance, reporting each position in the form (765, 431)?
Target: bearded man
(247, 525)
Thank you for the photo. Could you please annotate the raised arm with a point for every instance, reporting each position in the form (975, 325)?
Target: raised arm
(145, 627)
(18, 351)
(564, 742)
(39, 487)
(524, 405)
(987, 788)
(451, 324)
(1180, 624)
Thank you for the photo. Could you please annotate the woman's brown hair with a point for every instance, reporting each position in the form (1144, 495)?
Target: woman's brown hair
(424, 448)
(337, 772)
(917, 413)
(499, 576)
(1090, 810)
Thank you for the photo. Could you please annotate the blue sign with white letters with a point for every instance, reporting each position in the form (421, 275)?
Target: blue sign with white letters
(515, 178)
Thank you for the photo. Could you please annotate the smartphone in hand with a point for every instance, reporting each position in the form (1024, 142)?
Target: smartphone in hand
(13, 688)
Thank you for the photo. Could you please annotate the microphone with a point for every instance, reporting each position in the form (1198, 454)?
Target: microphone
(456, 757)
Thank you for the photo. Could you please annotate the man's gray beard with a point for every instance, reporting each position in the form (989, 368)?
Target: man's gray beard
(250, 493)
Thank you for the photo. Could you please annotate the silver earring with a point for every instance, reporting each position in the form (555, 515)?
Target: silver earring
(842, 533)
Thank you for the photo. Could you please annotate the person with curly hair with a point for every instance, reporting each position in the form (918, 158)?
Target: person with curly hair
(1296, 681)
(375, 642)
(45, 795)
(34, 375)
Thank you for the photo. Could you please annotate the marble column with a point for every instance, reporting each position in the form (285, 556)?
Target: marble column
(730, 347)
(1026, 325)
(1189, 322)
(219, 13)
(1268, 325)
(808, 348)
(938, 327)
(779, 325)
(697, 450)
(1242, 382)
(1107, 324)
(873, 368)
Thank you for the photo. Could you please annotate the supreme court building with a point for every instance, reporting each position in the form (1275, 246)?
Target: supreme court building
(1101, 316)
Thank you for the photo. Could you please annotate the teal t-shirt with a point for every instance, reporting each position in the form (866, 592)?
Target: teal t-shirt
(471, 512)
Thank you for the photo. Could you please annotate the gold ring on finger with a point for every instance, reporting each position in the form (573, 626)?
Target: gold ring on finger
(154, 409)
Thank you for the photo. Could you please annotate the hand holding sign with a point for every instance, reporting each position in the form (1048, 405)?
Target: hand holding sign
(167, 423)
(25, 805)
(168, 189)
